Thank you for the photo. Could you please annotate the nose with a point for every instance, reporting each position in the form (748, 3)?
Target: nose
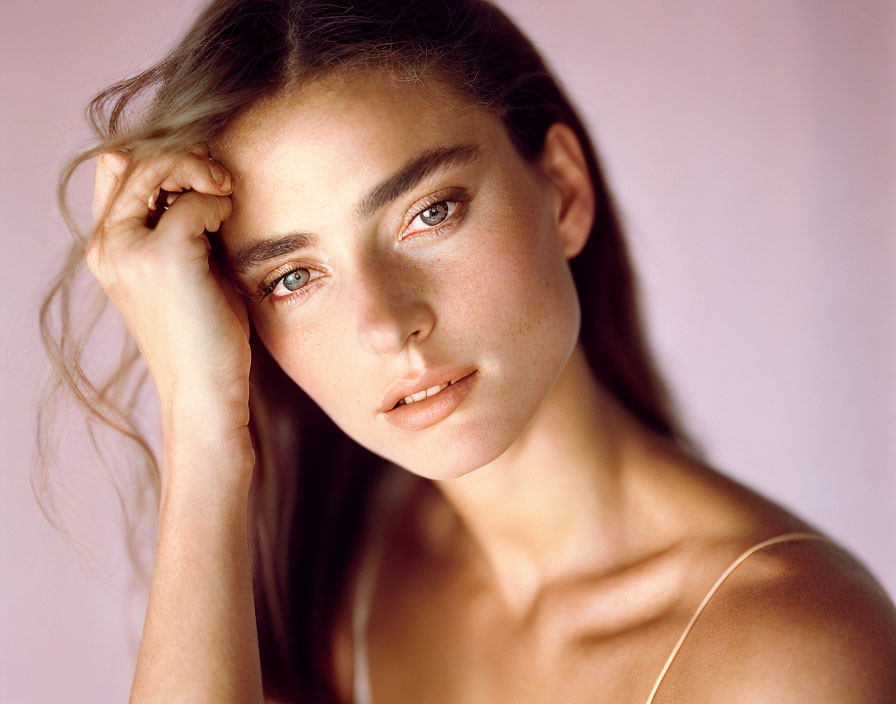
(392, 308)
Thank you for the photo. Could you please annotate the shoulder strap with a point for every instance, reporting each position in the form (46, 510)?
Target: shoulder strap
(388, 495)
(360, 616)
(727, 573)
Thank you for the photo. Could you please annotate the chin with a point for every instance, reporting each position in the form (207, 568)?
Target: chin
(464, 452)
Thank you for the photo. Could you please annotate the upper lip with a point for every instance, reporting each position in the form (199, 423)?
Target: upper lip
(434, 376)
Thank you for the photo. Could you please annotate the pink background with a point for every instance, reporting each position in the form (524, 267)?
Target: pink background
(752, 147)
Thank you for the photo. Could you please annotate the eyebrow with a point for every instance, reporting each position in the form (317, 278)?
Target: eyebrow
(419, 168)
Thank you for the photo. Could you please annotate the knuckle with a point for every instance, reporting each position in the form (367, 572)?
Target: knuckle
(208, 171)
(115, 161)
(215, 215)
(189, 170)
(92, 260)
(97, 259)
(225, 207)
(213, 173)
(195, 211)
(148, 176)
(146, 179)
(200, 149)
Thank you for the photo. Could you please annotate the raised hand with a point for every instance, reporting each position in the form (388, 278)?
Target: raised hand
(189, 323)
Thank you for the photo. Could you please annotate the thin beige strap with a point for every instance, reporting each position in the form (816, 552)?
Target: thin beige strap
(394, 491)
(733, 566)
(360, 616)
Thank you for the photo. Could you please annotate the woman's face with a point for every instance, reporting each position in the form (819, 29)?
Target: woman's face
(451, 270)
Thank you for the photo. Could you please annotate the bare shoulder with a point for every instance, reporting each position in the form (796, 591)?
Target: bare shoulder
(796, 621)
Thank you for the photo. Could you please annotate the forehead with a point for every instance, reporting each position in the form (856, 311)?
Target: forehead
(359, 100)
(341, 134)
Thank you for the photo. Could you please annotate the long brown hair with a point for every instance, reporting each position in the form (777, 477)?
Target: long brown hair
(311, 482)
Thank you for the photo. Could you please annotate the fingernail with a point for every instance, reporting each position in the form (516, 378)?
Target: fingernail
(217, 172)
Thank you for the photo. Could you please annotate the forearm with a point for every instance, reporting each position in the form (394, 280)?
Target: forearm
(199, 639)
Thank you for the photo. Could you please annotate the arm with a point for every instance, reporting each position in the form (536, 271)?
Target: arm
(199, 639)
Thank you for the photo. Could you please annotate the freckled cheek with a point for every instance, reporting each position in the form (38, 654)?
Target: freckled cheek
(304, 349)
(510, 286)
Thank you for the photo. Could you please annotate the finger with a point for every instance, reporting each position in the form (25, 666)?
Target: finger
(106, 177)
(164, 199)
(199, 173)
(172, 173)
(200, 149)
(189, 217)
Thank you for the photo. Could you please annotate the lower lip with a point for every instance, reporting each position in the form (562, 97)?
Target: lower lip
(422, 414)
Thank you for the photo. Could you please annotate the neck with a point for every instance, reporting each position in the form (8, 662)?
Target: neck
(556, 503)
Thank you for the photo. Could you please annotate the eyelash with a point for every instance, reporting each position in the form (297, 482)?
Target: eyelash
(459, 198)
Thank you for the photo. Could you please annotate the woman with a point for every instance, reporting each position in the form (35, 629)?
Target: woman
(331, 212)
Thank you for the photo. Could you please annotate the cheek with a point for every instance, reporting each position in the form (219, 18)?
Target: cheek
(305, 351)
(500, 294)
(520, 290)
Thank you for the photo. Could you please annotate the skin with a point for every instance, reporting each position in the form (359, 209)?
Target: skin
(199, 637)
(303, 164)
(554, 548)
(550, 504)
(387, 307)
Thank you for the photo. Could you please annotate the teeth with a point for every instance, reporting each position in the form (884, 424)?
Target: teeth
(420, 395)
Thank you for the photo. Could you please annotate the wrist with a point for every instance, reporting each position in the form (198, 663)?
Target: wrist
(207, 457)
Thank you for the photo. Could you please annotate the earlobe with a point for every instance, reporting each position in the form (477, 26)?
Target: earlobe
(563, 162)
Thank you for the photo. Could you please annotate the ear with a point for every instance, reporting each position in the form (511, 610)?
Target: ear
(563, 163)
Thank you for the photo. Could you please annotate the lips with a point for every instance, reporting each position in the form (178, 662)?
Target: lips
(435, 376)
(433, 409)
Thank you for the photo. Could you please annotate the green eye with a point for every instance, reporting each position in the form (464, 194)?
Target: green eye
(294, 280)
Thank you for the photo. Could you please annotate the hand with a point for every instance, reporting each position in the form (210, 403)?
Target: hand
(189, 323)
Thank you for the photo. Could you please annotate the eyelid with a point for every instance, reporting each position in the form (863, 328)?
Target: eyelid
(451, 195)
(457, 195)
(270, 282)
